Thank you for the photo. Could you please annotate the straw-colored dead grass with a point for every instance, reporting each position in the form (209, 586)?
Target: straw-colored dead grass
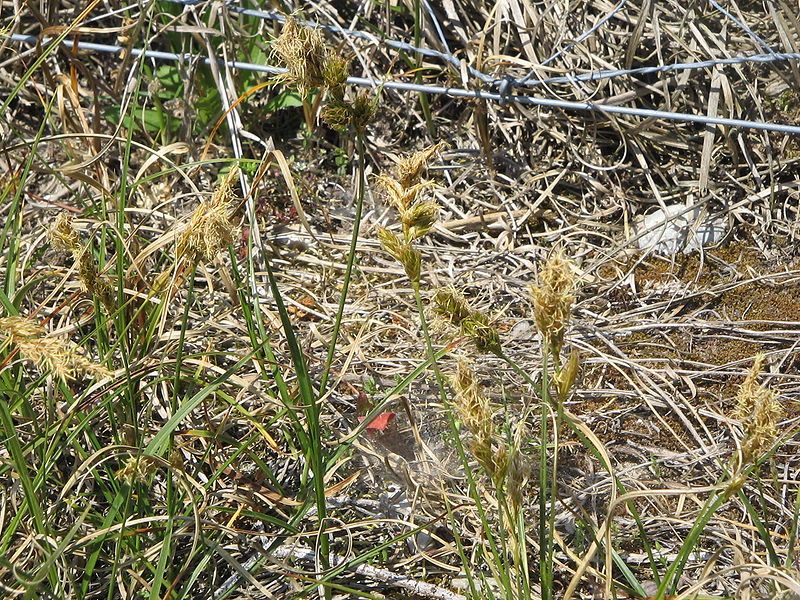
(664, 343)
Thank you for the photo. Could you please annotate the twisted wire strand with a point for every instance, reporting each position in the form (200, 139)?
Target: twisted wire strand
(595, 107)
(506, 83)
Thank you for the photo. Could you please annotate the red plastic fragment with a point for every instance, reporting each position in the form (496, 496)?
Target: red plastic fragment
(379, 423)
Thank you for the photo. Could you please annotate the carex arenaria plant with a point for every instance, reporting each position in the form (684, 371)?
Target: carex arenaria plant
(553, 298)
(210, 229)
(500, 457)
(319, 74)
(501, 461)
(758, 410)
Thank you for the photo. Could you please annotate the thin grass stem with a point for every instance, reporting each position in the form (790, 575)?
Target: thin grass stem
(348, 273)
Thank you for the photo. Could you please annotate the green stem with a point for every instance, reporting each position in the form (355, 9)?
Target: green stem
(545, 535)
(428, 343)
(351, 256)
(671, 577)
(311, 407)
(495, 551)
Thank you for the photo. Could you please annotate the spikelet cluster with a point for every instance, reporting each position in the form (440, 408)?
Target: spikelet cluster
(47, 352)
(136, 469)
(553, 297)
(303, 52)
(342, 114)
(211, 228)
(63, 236)
(518, 469)
(451, 305)
(503, 462)
(417, 216)
(475, 413)
(411, 168)
(759, 410)
(311, 65)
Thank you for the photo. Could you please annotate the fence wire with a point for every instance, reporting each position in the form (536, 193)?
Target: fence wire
(501, 88)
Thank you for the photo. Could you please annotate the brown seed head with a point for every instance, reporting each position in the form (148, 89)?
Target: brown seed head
(342, 114)
(364, 108)
(63, 235)
(390, 243)
(476, 415)
(553, 297)
(87, 269)
(302, 51)
(335, 72)
(401, 197)
(20, 328)
(210, 229)
(337, 114)
(402, 251)
(47, 352)
(411, 167)
(411, 259)
(759, 411)
(136, 469)
(749, 389)
(518, 471)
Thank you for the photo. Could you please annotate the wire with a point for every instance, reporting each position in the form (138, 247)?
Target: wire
(507, 83)
(743, 26)
(272, 15)
(447, 91)
(577, 41)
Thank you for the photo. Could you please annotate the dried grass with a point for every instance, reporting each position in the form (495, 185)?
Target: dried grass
(664, 342)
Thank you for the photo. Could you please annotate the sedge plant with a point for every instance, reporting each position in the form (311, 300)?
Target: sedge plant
(499, 457)
(315, 68)
(758, 410)
(553, 297)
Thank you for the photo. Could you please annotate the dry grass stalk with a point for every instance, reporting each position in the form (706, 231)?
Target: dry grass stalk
(47, 352)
